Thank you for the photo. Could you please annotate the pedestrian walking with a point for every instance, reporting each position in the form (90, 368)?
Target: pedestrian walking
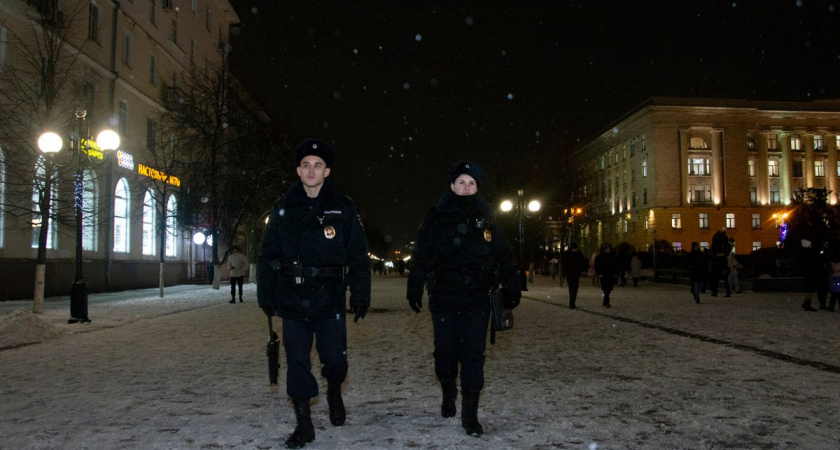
(834, 283)
(717, 264)
(462, 254)
(314, 243)
(238, 267)
(606, 268)
(814, 273)
(734, 267)
(573, 264)
(635, 269)
(697, 270)
(595, 280)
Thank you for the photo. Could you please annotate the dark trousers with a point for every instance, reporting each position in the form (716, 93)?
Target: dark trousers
(461, 338)
(331, 342)
(234, 281)
(573, 280)
(696, 287)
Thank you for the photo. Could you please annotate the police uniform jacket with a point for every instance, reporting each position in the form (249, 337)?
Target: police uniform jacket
(306, 246)
(459, 254)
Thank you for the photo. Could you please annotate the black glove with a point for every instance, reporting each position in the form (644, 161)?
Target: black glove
(511, 297)
(268, 310)
(360, 311)
(416, 304)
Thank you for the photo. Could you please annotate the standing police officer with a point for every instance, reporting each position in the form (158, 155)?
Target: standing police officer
(461, 253)
(313, 233)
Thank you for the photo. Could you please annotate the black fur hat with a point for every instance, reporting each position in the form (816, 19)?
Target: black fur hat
(314, 147)
(465, 167)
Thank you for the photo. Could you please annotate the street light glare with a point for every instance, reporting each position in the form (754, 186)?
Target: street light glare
(50, 142)
(534, 206)
(507, 205)
(108, 140)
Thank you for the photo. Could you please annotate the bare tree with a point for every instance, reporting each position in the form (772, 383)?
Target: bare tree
(228, 151)
(38, 93)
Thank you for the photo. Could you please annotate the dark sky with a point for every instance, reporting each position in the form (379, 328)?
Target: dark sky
(404, 88)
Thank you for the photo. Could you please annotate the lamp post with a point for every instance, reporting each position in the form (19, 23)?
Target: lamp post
(532, 206)
(86, 153)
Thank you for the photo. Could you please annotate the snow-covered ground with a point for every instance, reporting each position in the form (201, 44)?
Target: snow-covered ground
(656, 371)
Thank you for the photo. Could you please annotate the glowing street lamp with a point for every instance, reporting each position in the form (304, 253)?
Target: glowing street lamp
(86, 153)
(522, 210)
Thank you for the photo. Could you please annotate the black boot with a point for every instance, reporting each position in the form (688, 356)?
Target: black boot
(233, 300)
(336, 404)
(450, 394)
(304, 431)
(469, 414)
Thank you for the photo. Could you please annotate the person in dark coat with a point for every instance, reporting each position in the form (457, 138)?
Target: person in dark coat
(314, 244)
(461, 254)
(606, 268)
(573, 264)
(697, 268)
(815, 273)
(718, 266)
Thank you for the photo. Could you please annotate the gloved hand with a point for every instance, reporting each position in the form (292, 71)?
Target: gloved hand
(360, 312)
(268, 310)
(416, 304)
(511, 297)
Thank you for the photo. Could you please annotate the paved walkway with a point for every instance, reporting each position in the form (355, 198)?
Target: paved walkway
(654, 371)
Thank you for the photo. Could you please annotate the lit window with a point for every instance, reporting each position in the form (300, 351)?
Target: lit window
(818, 143)
(704, 245)
(751, 142)
(772, 142)
(644, 168)
(38, 190)
(751, 167)
(730, 220)
(149, 220)
(171, 227)
(756, 245)
(753, 195)
(774, 195)
(795, 142)
(698, 143)
(677, 247)
(698, 166)
(773, 167)
(121, 216)
(819, 168)
(704, 220)
(676, 221)
(90, 212)
(756, 221)
(700, 193)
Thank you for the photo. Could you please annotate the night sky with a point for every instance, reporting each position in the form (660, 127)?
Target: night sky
(404, 88)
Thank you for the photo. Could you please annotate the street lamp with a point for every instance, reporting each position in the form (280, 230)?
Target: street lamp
(87, 153)
(572, 212)
(782, 226)
(521, 211)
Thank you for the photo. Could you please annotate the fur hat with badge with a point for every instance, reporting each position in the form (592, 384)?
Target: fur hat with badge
(314, 147)
(465, 167)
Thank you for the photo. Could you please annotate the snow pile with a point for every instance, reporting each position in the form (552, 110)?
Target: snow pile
(23, 327)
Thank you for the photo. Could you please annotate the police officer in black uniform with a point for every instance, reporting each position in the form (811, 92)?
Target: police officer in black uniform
(460, 253)
(314, 245)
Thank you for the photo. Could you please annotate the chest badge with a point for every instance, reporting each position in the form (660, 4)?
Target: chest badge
(488, 236)
(329, 232)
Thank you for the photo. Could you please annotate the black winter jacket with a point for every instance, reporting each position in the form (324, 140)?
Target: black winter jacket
(459, 255)
(322, 232)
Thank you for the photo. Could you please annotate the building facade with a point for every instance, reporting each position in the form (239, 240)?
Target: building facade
(678, 170)
(126, 58)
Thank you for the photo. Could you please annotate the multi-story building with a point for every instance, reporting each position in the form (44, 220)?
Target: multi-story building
(678, 170)
(126, 58)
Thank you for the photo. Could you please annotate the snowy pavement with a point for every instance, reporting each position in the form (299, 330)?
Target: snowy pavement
(656, 371)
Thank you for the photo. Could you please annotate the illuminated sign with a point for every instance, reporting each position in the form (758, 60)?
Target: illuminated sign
(125, 160)
(91, 148)
(157, 175)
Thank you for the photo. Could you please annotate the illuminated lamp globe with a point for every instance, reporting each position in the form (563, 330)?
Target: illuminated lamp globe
(507, 205)
(534, 206)
(108, 140)
(50, 142)
(198, 238)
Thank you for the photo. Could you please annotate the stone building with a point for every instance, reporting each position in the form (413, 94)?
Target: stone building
(678, 170)
(121, 62)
